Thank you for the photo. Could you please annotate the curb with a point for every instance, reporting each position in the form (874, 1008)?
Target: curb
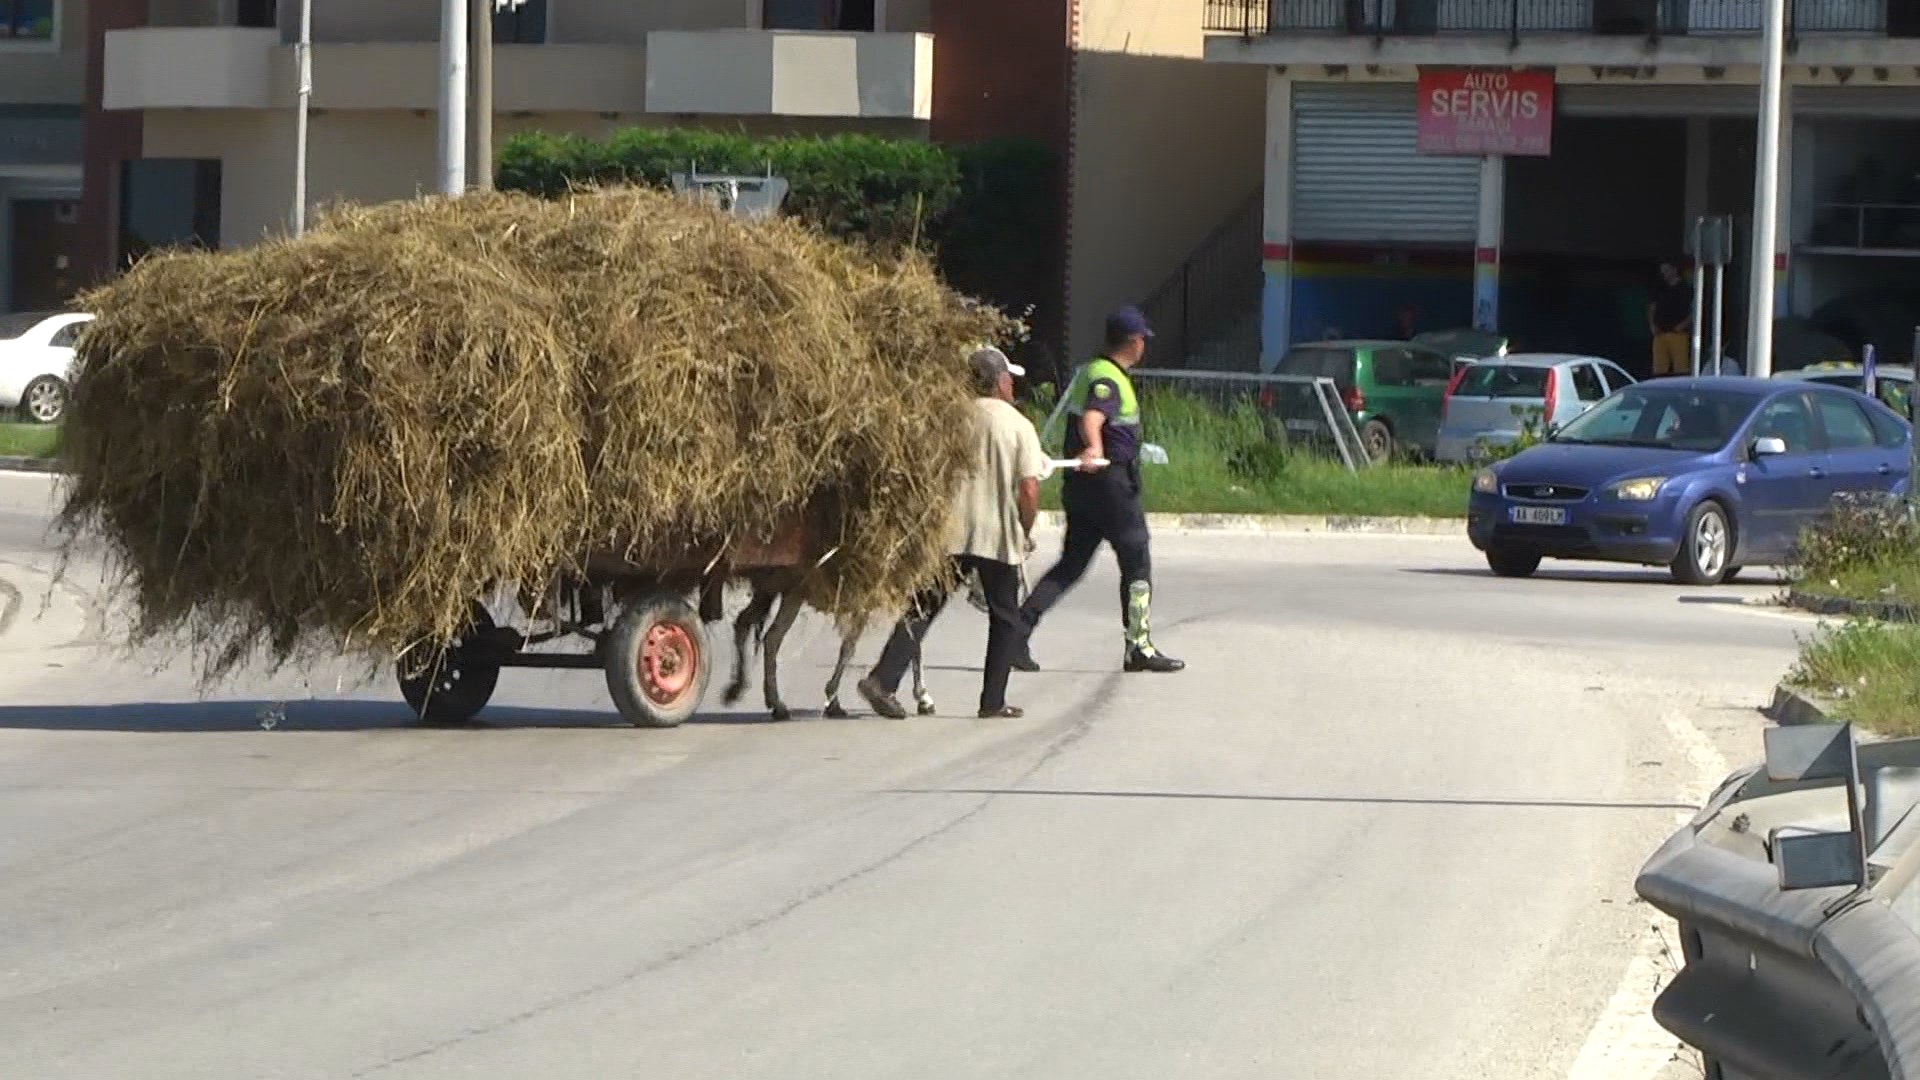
(1884, 610)
(1291, 523)
(29, 465)
(1794, 708)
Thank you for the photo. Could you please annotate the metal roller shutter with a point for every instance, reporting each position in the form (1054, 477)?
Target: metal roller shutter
(1358, 175)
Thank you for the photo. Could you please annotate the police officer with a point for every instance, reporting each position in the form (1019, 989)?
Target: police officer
(1103, 501)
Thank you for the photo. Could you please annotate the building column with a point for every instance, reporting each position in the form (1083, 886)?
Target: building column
(1276, 292)
(1486, 242)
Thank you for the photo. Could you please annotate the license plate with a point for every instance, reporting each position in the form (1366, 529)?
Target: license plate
(1305, 426)
(1538, 515)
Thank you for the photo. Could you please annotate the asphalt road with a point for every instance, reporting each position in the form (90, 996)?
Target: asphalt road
(1385, 826)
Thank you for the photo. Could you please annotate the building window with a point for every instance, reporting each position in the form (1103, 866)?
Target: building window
(27, 20)
(257, 14)
(523, 22)
(854, 15)
(168, 202)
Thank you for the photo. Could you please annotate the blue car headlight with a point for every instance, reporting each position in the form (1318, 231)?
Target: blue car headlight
(1485, 482)
(1639, 489)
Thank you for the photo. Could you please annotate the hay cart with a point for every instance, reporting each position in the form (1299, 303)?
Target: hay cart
(638, 624)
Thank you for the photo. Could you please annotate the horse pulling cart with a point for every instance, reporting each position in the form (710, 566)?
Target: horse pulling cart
(637, 624)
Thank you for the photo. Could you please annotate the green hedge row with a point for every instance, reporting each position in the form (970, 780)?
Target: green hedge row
(988, 211)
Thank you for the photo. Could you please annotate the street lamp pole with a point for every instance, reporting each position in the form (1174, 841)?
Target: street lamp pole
(304, 49)
(1766, 195)
(453, 96)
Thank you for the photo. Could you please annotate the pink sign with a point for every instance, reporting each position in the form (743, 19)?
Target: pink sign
(1479, 111)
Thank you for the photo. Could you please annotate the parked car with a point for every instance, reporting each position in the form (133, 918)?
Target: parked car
(1463, 344)
(1703, 476)
(1391, 389)
(36, 361)
(1893, 383)
(1490, 402)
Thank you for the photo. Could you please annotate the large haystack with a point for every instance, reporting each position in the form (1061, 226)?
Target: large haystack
(342, 440)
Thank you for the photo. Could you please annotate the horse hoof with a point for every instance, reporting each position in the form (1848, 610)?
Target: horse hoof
(781, 712)
(833, 711)
(926, 708)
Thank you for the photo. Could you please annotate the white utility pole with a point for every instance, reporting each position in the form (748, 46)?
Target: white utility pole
(304, 61)
(1766, 195)
(453, 96)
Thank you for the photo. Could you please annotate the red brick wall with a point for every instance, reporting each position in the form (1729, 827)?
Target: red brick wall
(111, 138)
(1002, 68)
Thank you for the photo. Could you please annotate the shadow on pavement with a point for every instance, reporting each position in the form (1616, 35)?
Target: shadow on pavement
(309, 716)
(1622, 576)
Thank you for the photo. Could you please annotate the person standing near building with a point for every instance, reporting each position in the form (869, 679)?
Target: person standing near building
(1670, 318)
(992, 536)
(1102, 501)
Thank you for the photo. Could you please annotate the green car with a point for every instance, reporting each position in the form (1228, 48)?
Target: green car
(1393, 390)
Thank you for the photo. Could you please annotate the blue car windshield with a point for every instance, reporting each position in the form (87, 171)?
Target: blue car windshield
(1660, 417)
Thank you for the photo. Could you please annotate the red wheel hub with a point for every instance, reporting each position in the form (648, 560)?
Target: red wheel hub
(669, 660)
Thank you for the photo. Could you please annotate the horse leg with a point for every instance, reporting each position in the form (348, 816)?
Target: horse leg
(923, 701)
(849, 640)
(746, 627)
(770, 653)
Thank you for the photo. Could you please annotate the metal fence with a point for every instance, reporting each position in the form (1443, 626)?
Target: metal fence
(1293, 411)
(1649, 18)
(1212, 291)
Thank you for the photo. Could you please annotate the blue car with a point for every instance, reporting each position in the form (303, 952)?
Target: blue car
(1699, 475)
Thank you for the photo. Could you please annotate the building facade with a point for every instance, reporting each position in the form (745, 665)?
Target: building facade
(189, 107)
(1528, 165)
(42, 92)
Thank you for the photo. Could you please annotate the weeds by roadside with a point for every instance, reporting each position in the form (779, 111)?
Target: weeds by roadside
(1869, 670)
(1867, 549)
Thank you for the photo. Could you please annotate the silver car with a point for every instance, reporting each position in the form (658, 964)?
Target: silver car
(1491, 402)
(1893, 383)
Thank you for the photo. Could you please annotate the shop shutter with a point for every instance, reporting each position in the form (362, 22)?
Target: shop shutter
(1358, 175)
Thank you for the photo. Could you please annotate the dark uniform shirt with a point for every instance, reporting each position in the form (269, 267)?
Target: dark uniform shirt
(1122, 443)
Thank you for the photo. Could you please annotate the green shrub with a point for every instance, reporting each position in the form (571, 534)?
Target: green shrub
(851, 186)
(1858, 533)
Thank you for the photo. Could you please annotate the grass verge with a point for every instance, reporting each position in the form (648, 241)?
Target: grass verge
(1232, 461)
(29, 440)
(1870, 671)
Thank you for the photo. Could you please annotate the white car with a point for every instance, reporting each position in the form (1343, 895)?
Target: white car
(36, 362)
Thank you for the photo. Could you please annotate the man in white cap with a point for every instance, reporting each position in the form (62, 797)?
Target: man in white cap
(994, 514)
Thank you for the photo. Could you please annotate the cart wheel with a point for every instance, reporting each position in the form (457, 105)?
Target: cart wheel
(656, 659)
(450, 685)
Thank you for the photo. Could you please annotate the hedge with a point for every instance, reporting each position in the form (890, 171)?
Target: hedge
(850, 185)
(988, 210)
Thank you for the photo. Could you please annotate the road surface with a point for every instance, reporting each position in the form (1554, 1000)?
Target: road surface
(1386, 825)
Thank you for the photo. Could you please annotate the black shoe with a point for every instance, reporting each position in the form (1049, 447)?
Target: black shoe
(880, 701)
(1025, 662)
(1152, 660)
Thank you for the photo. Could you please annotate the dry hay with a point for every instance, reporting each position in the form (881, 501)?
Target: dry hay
(341, 441)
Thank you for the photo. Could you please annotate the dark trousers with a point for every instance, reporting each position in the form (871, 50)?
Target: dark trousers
(1102, 508)
(1001, 582)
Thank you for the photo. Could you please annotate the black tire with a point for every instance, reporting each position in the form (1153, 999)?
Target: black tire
(1732, 572)
(1376, 438)
(44, 401)
(657, 661)
(1703, 560)
(450, 685)
(1505, 562)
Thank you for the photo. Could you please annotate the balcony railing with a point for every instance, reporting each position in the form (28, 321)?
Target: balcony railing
(1647, 18)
